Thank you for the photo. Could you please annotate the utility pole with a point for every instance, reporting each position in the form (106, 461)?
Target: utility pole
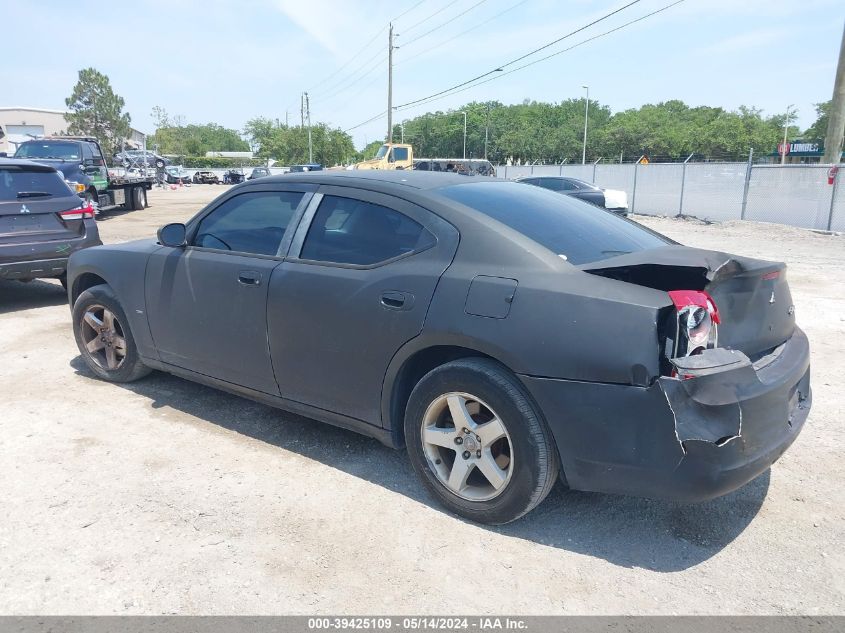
(836, 119)
(302, 110)
(286, 118)
(308, 115)
(586, 115)
(390, 84)
(785, 128)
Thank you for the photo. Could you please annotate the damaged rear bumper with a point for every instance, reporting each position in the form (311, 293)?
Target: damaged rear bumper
(688, 440)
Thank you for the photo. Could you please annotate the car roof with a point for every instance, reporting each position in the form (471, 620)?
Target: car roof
(19, 162)
(362, 177)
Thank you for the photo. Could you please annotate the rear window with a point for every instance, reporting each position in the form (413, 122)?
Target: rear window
(17, 183)
(579, 232)
(49, 149)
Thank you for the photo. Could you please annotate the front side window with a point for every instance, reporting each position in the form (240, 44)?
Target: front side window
(400, 153)
(249, 223)
(349, 231)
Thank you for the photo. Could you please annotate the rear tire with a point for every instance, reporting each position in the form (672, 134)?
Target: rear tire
(159, 163)
(504, 453)
(103, 337)
(139, 198)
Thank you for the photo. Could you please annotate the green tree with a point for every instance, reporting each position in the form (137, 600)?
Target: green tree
(195, 140)
(370, 150)
(95, 110)
(818, 130)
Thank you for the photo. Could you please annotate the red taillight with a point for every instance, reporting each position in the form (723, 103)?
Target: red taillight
(683, 298)
(82, 213)
(697, 325)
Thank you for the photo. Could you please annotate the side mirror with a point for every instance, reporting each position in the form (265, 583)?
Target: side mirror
(173, 235)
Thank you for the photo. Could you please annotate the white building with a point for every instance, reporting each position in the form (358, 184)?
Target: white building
(19, 124)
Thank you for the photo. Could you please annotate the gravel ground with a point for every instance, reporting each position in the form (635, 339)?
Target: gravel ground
(168, 497)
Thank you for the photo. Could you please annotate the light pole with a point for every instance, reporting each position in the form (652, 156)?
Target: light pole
(486, 128)
(586, 114)
(402, 125)
(465, 132)
(785, 129)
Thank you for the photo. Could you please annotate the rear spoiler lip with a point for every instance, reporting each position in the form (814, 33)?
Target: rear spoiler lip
(716, 264)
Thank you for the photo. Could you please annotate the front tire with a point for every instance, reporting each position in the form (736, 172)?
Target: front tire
(103, 337)
(477, 442)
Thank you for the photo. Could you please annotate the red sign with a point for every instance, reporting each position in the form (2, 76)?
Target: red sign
(783, 148)
(831, 174)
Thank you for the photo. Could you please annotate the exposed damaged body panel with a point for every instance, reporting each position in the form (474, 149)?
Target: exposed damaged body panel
(753, 295)
(690, 439)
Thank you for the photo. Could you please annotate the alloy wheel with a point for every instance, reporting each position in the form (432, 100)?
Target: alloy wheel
(103, 337)
(467, 446)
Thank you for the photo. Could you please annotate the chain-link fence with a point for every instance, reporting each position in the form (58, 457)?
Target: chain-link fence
(807, 196)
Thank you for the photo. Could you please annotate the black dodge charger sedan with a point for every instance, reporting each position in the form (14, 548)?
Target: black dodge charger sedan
(507, 336)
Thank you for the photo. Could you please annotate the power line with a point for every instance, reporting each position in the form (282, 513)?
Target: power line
(462, 33)
(351, 80)
(435, 14)
(351, 59)
(537, 61)
(446, 23)
(406, 12)
(513, 61)
(363, 48)
(378, 116)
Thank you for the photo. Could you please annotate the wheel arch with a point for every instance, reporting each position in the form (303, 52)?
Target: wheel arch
(411, 363)
(83, 282)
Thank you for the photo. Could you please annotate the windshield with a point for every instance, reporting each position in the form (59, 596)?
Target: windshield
(19, 183)
(574, 230)
(382, 151)
(60, 150)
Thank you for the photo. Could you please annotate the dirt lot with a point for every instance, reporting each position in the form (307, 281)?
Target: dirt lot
(168, 497)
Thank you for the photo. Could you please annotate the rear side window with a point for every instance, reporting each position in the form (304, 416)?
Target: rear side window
(576, 231)
(21, 183)
(349, 231)
(249, 223)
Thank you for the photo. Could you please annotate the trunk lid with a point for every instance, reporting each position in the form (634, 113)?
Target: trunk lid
(752, 295)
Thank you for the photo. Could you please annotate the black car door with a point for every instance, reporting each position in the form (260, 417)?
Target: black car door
(207, 302)
(356, 285)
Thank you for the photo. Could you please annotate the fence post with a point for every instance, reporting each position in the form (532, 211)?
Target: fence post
(560, 170)
(683, 182)
(634, 192)
(832, 199)
(594, 169)
(748, 169)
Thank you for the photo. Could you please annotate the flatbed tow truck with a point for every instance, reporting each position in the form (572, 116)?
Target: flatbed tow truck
(82, 163)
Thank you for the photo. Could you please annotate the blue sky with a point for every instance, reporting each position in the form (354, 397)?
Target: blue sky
(228, 61)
